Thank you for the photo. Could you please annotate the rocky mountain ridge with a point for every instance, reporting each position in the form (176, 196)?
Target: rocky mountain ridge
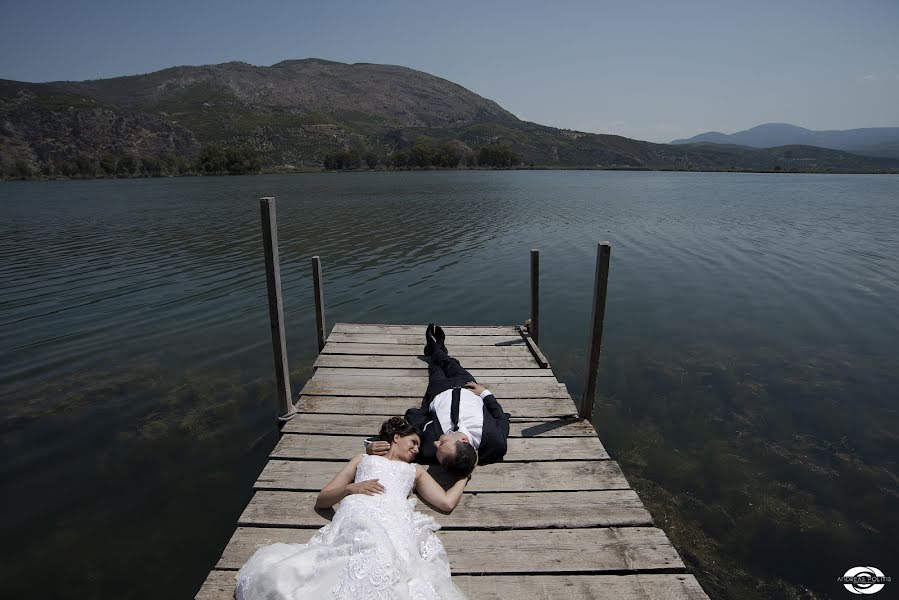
(869, 141)
(297, 113)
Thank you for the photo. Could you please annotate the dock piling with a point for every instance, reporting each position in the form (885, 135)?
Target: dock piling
(276, 307)
(600, 286)
(535, 296)
(319, 301)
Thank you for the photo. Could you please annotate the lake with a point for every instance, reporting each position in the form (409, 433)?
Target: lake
(749, 382)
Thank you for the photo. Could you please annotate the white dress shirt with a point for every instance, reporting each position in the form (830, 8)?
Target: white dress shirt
(471, 413)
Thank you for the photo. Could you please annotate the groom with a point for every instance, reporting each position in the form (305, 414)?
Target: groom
(460, 421)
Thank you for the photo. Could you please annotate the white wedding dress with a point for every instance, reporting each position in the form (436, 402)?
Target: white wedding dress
(375, 548)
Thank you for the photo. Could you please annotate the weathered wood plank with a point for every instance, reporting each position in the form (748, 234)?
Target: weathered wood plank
(535, 350)
(296, 446)
(591, 550)
(397, 405)
(458, 351)
(333, 385)
(422, 373)
(420, 379)
(547, 510)
(365, 425)
(559, 476)
(419, 330)
(451, 340)
(413, 362)
(644, 586)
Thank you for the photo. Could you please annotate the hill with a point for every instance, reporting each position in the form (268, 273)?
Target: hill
(301, 114)
(872, 141)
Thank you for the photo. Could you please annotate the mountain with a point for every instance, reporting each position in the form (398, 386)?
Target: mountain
(872, 141)
(296, 114)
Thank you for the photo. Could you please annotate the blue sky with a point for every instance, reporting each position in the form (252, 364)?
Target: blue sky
(649, 70)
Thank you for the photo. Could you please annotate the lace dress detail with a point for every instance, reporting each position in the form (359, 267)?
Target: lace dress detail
(376, 547)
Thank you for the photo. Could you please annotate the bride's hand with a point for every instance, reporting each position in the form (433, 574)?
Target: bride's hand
(369, 487)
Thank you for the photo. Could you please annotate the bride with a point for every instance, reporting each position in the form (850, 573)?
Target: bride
(376, 547)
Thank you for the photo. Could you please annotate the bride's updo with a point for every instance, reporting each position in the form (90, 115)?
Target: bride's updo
(396, 425)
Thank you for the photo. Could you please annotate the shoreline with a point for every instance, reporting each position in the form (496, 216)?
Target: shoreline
(306, 171)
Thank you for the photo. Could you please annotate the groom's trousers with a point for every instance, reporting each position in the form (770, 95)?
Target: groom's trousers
(444, 373)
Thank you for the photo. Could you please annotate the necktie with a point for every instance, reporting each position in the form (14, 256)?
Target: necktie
(454, 408)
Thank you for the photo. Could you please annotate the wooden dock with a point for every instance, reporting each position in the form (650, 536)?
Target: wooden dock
(557, 519)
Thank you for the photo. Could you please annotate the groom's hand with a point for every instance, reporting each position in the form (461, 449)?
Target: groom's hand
(378, 448)
(477, 388)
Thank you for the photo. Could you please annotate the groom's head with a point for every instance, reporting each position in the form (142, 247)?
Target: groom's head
(456, 454)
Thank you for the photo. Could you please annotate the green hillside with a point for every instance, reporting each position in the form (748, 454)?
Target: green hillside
(306, 114)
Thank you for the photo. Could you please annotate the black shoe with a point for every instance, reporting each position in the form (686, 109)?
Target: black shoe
(439, 335)
(430, 342)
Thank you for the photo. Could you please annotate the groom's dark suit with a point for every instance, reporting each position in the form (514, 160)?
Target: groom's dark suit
(445, 373)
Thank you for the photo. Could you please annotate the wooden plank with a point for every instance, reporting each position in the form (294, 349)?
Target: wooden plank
(422, 373)
(593, 550)
(397, 405)
(644, 586)
(458, 351)
(547, 510)
(296, 446)
(534, 350)
(219, 585)
(412, 362)
(365, 425)
(421, 378)
(559, 476)
(385, 386)
(451, 340)
(419, 330)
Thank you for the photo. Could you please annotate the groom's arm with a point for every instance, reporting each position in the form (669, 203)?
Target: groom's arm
(493, 444)
(375, 445)
(494, 409)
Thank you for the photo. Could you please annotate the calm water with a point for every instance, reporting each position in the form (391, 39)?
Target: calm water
(749, 381)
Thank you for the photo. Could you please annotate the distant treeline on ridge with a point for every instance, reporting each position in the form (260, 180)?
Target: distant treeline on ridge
(423, 156)
(215, 159)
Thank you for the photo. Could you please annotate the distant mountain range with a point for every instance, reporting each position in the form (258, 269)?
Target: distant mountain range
(871, 141)
(294, 114)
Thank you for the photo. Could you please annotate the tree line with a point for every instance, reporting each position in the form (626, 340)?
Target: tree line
(212, 160)
(423, 156)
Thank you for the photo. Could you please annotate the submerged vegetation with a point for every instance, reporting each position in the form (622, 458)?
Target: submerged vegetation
(756, 466)
(170, 460)
(771, 474)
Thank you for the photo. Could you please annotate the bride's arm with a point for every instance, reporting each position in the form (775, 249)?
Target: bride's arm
(434, 494)
(342, 486)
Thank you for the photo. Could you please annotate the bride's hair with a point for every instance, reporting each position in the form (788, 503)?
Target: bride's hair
(396, 425)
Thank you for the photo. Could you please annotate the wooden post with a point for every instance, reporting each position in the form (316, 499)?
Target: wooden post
(600, 286)
(276, 307)
(535, 296)
(319, 302)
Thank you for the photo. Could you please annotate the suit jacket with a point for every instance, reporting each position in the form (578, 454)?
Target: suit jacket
(493, 436)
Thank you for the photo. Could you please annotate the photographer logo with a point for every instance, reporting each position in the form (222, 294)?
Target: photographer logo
(864, 580)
